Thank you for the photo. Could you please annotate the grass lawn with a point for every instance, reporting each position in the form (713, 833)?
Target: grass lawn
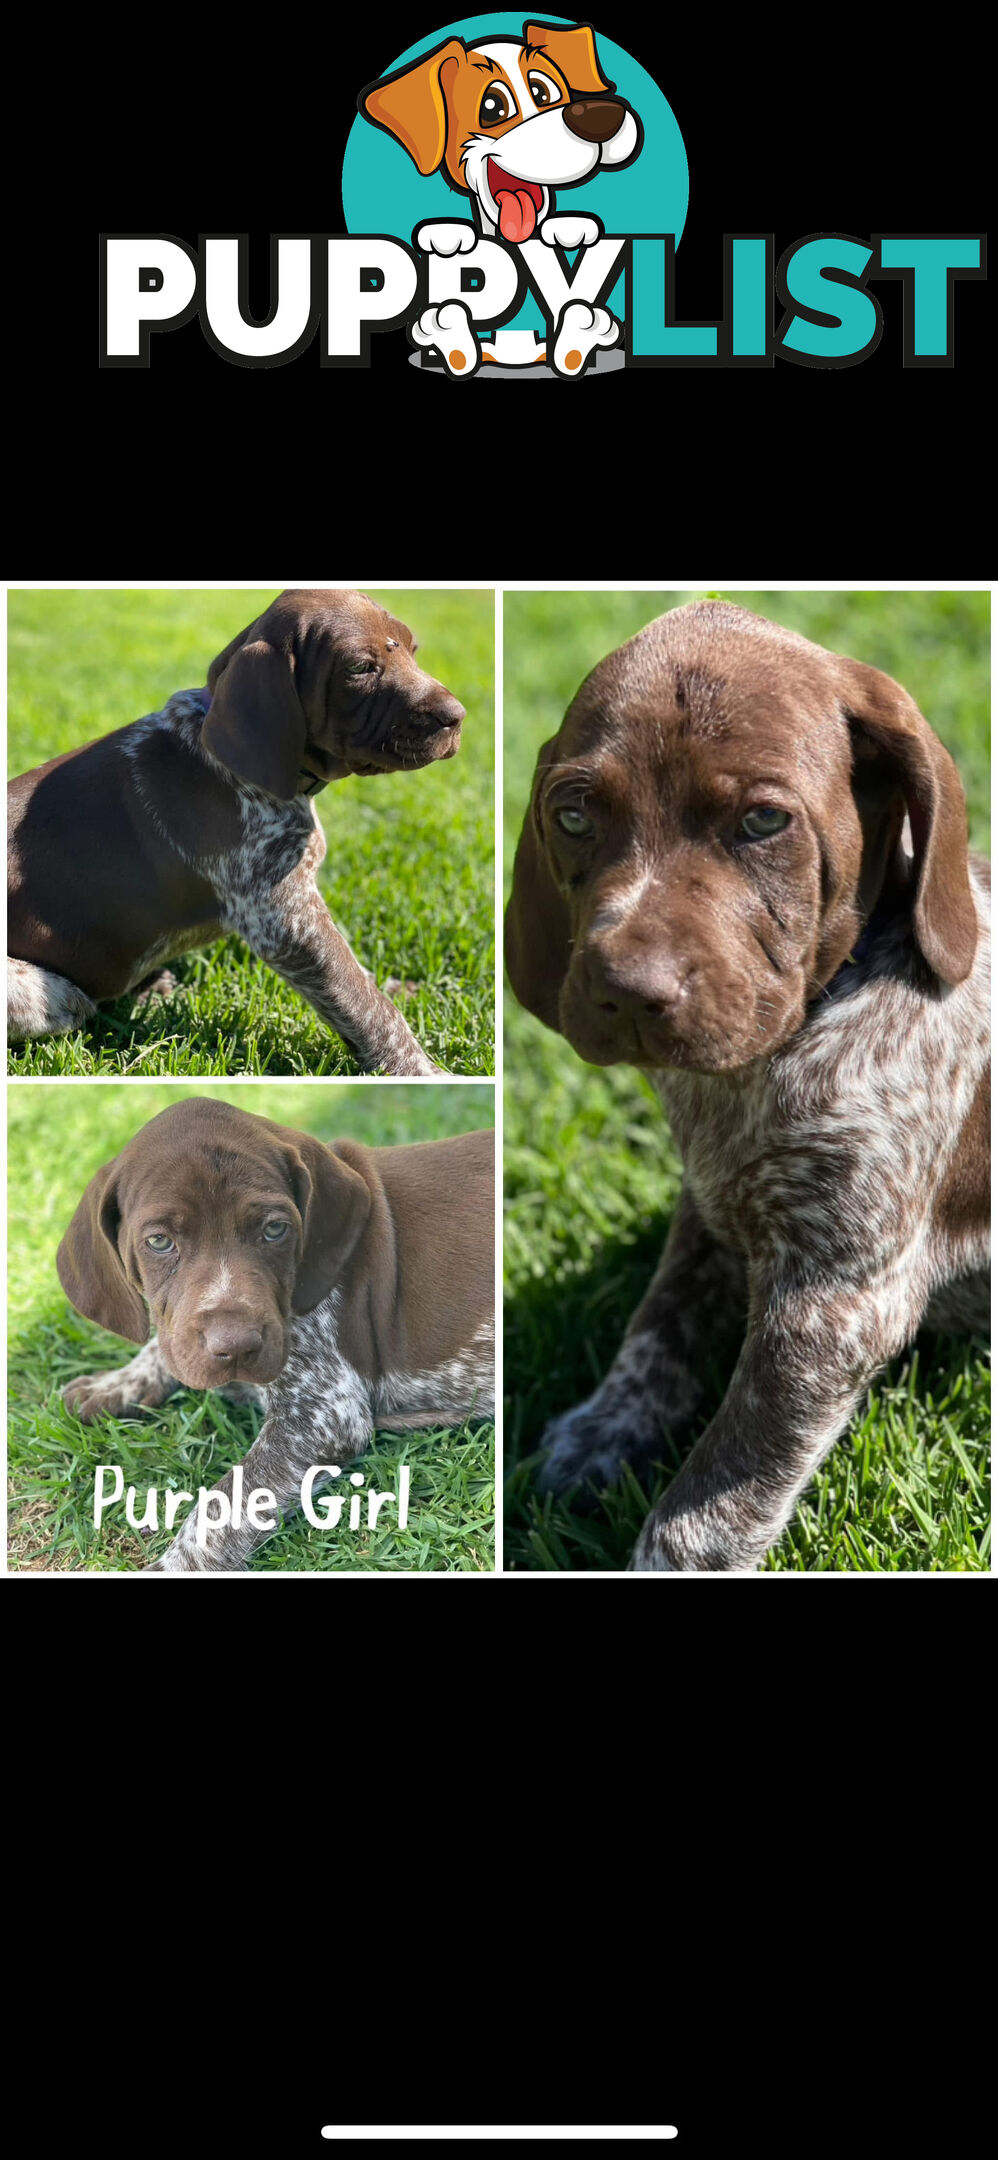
(409, 871)
(195, 1438)
(592, 1176)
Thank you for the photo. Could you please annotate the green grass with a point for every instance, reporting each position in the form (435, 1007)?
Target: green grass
(195, 1438)
(592, 1176)
(409, 871)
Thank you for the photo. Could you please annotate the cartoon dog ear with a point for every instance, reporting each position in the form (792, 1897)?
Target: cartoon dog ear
(412, 105)
(91, 1269)
(573, 52)
(255, 725)
(538, 930)
(888, 721)
(334, 1201)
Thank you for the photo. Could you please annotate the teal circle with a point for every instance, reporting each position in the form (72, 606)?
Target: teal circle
(384, 193)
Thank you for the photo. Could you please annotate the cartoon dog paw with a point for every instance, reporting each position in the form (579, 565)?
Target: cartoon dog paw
(570, 232)
(449, 329)
(580, 328)
(456, 237)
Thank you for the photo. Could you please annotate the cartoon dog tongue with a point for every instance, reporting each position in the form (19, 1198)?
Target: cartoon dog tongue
(518, 202)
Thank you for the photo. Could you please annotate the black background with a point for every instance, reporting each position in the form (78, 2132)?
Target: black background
(793, 125)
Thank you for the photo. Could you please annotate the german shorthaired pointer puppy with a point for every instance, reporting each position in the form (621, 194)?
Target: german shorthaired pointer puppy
(197, 820)
(744, 869)
(344, 1287)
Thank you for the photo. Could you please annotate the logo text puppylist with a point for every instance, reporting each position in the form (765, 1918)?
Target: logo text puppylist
(496, 123)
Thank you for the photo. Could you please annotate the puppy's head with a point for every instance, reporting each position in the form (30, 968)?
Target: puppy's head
(323, 684)
(717, 817)
(508, 120)
(225, 1225)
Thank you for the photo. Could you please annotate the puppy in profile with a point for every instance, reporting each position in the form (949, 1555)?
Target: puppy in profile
(198, 820)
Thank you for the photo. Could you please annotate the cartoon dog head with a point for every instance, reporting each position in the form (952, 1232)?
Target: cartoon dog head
(508, 121)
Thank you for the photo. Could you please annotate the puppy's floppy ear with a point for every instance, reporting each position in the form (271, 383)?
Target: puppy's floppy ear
(91, 1269)
(255, 725)
(943, 913)
(573, 52)
(334, 1202)
(538, 931)
(412, 105)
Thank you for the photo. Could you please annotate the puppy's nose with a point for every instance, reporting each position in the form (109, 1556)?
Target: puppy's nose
(229, 1338)
(636, 986)
(594, 119)
(442, 711)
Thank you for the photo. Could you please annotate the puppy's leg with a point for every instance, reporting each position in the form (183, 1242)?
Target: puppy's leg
(40, 1003)
(294, 932)
(805, 1364)
(143, 1384)
(694, 1312)
(301, 1429)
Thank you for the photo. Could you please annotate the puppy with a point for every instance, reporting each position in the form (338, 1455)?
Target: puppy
(343, 1287)
(744, 869)
(198, 820)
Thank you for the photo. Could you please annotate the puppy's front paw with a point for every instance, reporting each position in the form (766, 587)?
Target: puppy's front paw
(586, 1446)
(110, 1394)
(570, 232)
(143, 1384)
(456, 237)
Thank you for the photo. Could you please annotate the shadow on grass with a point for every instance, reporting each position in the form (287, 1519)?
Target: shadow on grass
(561, 1335)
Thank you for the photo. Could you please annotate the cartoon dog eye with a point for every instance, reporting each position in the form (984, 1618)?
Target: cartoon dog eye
(543, 90)
(497, 104)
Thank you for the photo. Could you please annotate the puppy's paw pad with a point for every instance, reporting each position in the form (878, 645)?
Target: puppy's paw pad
(580, 330)
(449, 328)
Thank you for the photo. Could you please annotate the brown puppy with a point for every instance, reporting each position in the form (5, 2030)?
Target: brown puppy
(197, 820)
(353, 1285)
(744, 868)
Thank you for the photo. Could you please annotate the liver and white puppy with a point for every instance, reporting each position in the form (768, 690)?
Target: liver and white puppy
(347, 1287)
(197, 820)
(744, 869)
(508, 120)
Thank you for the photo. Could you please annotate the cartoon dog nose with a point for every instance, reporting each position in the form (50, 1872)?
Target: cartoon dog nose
(229, 1338)
(634, 986)
(594, 119)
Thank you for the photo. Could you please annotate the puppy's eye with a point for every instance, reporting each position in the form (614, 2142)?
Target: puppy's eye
(496, 105)
(543, 90)
(575, 824)
(360, 667)
(161, 1241)
(765, 819)
(274, 1231)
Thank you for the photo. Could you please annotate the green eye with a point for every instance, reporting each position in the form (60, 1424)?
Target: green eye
(274, 1231)
(764, 820)
(161, 1241)
(575, 824)
(359, 667)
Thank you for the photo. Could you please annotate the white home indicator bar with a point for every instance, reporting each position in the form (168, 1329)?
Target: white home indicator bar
(498, 2130)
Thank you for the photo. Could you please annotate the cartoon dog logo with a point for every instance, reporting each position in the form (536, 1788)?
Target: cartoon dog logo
(508, 122)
